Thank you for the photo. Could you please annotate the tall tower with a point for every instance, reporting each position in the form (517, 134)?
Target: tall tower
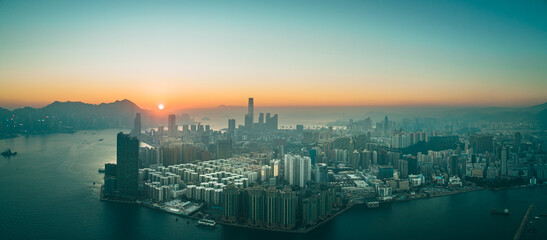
(504, 161)
(172, 127)
(231, 125)
(137, 125)
(386, 125)
(127, 169)
(251, 110)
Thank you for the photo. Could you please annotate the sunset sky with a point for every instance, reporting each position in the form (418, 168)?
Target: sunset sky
(194, 54)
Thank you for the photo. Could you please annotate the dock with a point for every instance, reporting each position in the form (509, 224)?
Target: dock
(523, 223)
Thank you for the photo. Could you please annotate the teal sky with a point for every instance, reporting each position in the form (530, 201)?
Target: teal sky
(206, 53)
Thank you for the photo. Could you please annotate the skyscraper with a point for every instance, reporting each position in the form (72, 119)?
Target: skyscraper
(231, 203)
(403, 169)
(297, 170)
(231, 125)
(261, 119)
(127, 169)
(251, 110)
(271, 122)
(386, 125)
(172, 127)
(137, 125)
(504, 161)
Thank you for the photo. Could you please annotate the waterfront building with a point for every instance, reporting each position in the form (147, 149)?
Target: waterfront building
(288, 208)
(256, 206)
(232, 205)
(127, 168)
(272, 208)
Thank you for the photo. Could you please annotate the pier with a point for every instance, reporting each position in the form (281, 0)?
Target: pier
(523, 223)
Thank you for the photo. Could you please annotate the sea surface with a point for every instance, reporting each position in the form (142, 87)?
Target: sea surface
(47, 192)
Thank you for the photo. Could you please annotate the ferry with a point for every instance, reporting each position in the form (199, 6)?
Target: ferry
(207, 222)
(504, 212)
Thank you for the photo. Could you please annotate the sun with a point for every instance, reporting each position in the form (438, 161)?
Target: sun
(160, 107)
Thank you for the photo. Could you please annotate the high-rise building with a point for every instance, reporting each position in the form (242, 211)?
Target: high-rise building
(297, 170)
(386, 125)
(275, 167)
(136, 125)
(355, 159)
(127, 168)
(453, 166)
(261, 119)
(232, 205)
(288, 206)
(403, 169)
(366, 158)
(249, 117)
(251, 110)
(321, 173)
(224, 149)
(172, 126)
(272, 213)
(412, 165)
(271, 122)
(504, 161)
(231, 125)
(256, 206)
(385, 172)
(481, 143)
(518, 141)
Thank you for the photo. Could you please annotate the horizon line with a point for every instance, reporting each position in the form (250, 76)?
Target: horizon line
(465, 105)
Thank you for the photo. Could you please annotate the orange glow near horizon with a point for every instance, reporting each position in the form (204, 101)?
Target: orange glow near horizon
(271, 96)
(198, 55)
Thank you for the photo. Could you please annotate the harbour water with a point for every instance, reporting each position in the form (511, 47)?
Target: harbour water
(48, 193)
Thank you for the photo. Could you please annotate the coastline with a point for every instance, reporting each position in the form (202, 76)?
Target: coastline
(311, 228)
(299, 230)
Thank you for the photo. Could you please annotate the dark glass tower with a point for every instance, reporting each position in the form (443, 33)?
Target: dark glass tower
(127, 169)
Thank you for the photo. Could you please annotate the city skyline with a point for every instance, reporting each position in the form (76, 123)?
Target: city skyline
(193, 55)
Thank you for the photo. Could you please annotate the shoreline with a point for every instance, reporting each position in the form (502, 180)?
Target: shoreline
(299, 231)
(311, 228)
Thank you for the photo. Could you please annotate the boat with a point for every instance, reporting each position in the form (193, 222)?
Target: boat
(537, 218)
(101, 170)
(500, 212)
(101, 140)
(8, 153)
(207, 222)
